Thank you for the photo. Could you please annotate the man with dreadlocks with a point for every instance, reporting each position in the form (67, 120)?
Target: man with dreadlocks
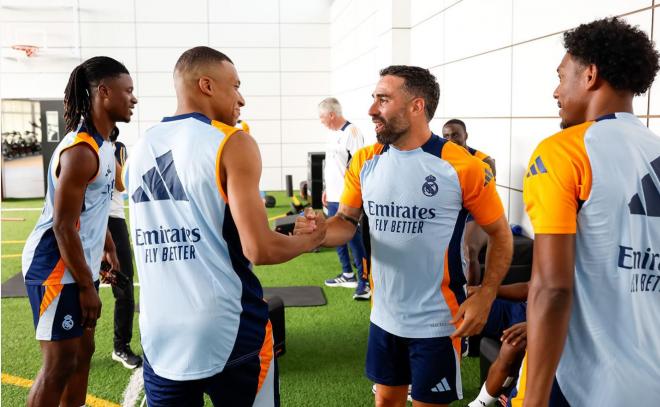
(62, 256)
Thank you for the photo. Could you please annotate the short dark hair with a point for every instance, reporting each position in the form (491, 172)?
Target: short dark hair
(78, 91)
(418, 82)
(624, 55)
(458, 122)
(194, 57)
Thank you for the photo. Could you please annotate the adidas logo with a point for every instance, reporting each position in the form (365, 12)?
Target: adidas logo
(489, 176)
(651, 205)
(442, 386)
(537, 168)
(162, 183)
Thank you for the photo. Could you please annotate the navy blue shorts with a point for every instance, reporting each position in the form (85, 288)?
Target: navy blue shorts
(56, 311)
(431, 365)
(504, 314)
(248, 384)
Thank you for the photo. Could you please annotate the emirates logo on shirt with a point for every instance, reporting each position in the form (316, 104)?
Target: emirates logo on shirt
(430, 188)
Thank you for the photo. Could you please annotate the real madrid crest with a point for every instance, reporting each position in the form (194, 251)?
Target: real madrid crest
(430, 188)
(68, 322)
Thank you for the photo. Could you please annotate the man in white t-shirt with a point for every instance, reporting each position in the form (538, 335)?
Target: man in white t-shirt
(342, 144)
(123, 293)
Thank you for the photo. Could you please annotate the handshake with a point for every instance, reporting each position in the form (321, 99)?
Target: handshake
(312, 224)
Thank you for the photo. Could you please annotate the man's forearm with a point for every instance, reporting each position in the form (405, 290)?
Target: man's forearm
(498, 259)
(68, 241)
(109, 242)
(514, 292)
(276, 248)
(339, 232)
(548, 314)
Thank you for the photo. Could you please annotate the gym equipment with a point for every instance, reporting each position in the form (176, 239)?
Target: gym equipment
(270, 201)
(285, 225)
(315, 178)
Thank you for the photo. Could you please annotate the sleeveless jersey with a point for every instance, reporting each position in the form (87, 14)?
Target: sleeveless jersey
(416, 202)
(201, 307)
(42, 262)
(600, 181)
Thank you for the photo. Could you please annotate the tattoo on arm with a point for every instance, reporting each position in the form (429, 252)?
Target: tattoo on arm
(347, 218)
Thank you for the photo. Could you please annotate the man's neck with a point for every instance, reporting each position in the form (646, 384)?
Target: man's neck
(188, 106)
(103, 124)
(609, 102)
(414, 138)
(340, 122)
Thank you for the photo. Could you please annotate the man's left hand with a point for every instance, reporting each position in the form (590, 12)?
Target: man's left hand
(474, 312)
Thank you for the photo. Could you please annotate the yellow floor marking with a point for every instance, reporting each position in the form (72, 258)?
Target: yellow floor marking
(21, 382)
(277, 217)
(7, 256)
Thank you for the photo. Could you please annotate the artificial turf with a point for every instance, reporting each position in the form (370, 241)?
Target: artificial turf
(326, 346)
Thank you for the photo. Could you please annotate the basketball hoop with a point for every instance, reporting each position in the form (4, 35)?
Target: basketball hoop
(29, 50)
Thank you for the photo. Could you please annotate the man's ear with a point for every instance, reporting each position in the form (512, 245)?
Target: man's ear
(205, 85)
(418, 106)
(103, 90)
(591, 77)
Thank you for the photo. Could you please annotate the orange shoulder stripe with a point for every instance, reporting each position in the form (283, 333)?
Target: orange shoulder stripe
(352, 194)
(228, 131)
(477, 184)
(558, 177)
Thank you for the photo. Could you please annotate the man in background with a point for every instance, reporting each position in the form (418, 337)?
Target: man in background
(455, 131)
(342, 145)
(123, 292)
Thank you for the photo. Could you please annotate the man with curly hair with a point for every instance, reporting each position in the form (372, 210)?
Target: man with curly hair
(592, 195)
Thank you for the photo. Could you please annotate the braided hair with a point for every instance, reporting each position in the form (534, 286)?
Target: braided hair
(78, 91)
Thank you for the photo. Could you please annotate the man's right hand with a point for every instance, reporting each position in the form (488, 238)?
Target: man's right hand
(312, 224)
(90, 306)
(306, 223)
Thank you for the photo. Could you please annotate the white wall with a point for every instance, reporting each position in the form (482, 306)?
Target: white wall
(495, 60)
(366, 35)
(281, 49)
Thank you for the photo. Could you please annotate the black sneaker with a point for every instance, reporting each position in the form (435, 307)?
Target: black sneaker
(127, 358)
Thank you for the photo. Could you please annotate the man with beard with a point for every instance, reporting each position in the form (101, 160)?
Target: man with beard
(416, 189)
(591, 193)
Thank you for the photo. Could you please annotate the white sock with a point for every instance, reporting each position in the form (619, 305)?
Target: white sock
(483, 399)
(348, 275)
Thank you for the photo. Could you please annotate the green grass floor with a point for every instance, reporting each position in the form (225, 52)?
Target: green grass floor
(326, 346)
